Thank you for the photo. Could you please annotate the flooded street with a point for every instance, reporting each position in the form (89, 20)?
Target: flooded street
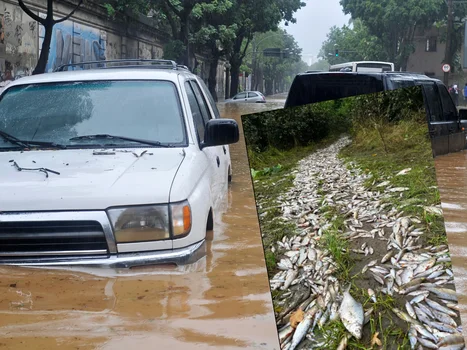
(222, 301)
(452, 182)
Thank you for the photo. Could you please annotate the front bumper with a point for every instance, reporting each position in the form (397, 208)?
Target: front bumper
(181, 256)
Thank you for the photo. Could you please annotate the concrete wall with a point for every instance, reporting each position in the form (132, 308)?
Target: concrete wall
(88, 35)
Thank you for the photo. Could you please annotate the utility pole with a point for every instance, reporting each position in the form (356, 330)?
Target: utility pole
(253, 73)
(447, 54)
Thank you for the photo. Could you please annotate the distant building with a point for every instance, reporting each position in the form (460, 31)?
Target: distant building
(429, 54)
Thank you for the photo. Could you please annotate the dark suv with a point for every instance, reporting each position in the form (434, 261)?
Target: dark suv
(446, 123)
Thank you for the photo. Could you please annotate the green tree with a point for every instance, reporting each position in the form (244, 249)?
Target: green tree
(215, 33)
(276, 69)
(395, 22)
(254, 16)
(354, 44)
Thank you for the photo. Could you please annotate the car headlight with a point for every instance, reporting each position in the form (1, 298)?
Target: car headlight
(150, 223)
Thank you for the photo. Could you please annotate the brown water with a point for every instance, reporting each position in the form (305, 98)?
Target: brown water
(451, 172)
(223, 301)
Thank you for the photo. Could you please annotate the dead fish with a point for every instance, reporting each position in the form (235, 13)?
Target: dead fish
(444, 293)
(446, 319)
(367, 316)
(372, 295)
(387, 257)
(427, 344)
(419, 298)
(439, 307)
(351, 314)
(410, 310)
(343, 343)
(300, 331)
(442, 327)
(285, 334)
(412, 337)
(452, 342)
(291, 275)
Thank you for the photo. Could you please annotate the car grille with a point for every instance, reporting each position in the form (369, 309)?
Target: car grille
(49, 238)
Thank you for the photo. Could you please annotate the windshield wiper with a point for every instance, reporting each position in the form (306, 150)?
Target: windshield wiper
(27, 144)
(13, 140)
(110, 137)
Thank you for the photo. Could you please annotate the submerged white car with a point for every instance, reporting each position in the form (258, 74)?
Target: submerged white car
(112, 167)
(247, 97)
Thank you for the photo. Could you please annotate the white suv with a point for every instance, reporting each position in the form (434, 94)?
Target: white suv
(111, 167)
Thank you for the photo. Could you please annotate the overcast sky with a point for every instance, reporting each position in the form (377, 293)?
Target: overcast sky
(313, 23)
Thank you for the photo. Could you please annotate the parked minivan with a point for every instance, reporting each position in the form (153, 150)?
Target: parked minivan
(446, 122)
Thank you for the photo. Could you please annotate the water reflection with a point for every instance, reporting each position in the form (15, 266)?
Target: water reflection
(222, 301)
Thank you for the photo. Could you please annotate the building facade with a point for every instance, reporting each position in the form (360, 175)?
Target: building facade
(429, 55)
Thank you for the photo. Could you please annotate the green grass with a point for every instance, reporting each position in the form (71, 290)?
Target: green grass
(332, 241)
(407, 146)
(269, 187)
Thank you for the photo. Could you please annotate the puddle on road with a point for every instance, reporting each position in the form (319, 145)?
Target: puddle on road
(452, 184)
(221, 301)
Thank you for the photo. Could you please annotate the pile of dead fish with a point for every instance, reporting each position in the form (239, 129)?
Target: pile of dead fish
(311, 294)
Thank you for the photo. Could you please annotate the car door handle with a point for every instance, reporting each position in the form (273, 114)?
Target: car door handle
(218, 161)
(225, 150)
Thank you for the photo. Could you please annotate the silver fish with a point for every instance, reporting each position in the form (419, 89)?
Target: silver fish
(300, 331)
(439, 307)
(351, 314)
(410, 310)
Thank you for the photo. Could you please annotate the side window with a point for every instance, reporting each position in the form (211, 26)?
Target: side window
(201, 101)
(211, 100)
(196, 112)
(252, 94)
(240, 96)
(432, 98)
(449, 109)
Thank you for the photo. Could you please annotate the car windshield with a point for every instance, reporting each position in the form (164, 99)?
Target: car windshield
(58, 112)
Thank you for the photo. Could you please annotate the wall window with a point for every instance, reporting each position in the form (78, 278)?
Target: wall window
(430, 44)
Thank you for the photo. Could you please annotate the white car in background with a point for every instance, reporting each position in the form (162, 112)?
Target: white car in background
(248, 97)
(115, 167)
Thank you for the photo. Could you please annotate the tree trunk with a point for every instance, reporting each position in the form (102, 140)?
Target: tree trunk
(212, 79)
(234, 78)
(43, 58)
(227, 83)
(184, 34)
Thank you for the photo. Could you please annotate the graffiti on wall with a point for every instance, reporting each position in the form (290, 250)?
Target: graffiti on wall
(18, 43)
(74, 43)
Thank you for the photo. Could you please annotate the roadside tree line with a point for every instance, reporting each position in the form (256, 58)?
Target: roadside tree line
(220, 29)
(386, 30)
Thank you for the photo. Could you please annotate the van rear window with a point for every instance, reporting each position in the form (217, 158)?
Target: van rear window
(313, 88)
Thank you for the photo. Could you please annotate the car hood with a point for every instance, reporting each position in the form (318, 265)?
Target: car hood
(88, 179)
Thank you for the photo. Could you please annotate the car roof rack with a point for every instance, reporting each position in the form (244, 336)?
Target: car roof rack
(124, 63)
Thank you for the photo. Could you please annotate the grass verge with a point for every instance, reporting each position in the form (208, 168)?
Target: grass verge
(405, 145)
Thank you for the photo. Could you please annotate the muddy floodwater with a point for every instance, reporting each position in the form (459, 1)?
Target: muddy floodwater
(451, 172)
(223, 301)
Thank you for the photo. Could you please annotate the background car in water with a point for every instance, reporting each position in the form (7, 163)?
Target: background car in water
(248, 97)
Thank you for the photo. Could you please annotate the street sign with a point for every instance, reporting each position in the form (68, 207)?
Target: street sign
(272, 52)
(446, 68)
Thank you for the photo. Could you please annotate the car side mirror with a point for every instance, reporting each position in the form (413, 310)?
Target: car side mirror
(219, 132)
